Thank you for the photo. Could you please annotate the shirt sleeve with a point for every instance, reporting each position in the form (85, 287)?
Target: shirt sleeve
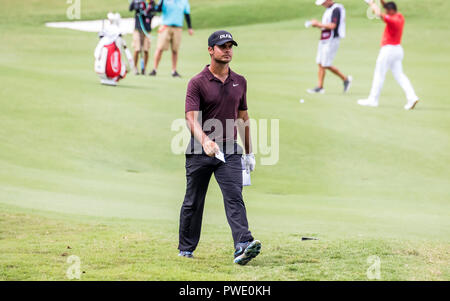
(391, 20)
(156, 7)
(336, 16)
(192, 97)
(188, 20)
(243, 102)
(159, 6)
(187, 8)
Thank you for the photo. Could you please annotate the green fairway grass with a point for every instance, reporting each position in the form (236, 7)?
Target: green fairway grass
(90, 167)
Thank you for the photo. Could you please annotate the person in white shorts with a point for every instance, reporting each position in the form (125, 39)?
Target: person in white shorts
(332, 30)
(390, 57)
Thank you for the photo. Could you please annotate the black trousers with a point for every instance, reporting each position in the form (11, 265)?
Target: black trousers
(199, 169)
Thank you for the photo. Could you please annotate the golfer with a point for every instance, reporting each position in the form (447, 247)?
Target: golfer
(390, 56)
(216, 97)
(142, 28)
(332, 30)
(170, 31)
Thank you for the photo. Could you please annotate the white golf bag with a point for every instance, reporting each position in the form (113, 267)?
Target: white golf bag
(108, 53)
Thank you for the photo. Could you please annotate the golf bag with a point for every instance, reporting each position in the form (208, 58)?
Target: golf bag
(108, 54)
(108, 64)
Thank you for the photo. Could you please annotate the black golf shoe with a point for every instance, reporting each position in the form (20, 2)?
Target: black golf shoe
(246, 251)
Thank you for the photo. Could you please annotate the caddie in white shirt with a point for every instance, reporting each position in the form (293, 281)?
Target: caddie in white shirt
(332, 30)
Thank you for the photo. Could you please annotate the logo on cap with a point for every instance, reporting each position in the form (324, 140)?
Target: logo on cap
(225, 36)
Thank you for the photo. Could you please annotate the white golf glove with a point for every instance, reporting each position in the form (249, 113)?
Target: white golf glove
(368, 1)
(250, 162)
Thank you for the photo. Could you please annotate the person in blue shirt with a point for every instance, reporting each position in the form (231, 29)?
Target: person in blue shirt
(170, 30)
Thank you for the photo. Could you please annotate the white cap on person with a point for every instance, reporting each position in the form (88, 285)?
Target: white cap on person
(320, 2)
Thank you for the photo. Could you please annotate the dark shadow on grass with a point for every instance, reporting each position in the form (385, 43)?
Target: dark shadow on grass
(130, 87)
(119, 85)
(419, 108)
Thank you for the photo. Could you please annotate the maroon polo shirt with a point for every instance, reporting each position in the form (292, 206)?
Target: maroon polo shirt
(217, 102)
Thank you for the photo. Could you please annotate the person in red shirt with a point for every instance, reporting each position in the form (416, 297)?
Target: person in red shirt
(390, 57)
(394, 29)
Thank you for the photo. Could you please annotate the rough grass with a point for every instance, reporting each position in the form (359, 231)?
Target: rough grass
(36, 248)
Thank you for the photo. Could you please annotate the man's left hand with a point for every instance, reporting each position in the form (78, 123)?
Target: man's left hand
(191, 31)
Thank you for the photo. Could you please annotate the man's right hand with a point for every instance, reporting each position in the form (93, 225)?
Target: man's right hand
(211, 148)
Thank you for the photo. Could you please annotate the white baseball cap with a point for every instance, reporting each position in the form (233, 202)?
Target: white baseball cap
(320, 2)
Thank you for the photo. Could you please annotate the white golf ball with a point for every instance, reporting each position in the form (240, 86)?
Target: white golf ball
(302, 100)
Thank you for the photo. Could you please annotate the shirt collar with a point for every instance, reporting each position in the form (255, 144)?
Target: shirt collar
(210, 76)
